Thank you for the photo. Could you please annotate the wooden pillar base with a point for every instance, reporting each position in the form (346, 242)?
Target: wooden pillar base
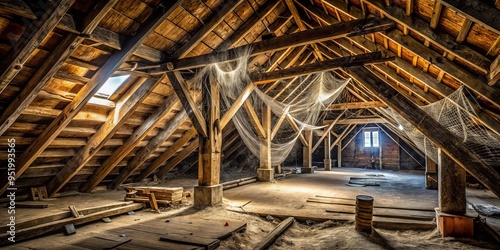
(431, 180)
(451, 225)
(327, 163)
(265, 174)
(307, 170)
(208, 195)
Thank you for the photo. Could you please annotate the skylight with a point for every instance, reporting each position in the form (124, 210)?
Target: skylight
(111, 85)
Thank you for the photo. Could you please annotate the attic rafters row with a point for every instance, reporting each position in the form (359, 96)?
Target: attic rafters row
(349, 28)
(88, 91)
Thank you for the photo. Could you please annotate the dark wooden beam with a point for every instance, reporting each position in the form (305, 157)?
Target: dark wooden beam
(477, 11)
(350, 28)
(216, 19)
(16, 7)
(246, 27)
(188, 102)
(88, 91)
(186, 137)
(35, 33)
(50, 67)
(191, 147)
(114, 121)
(374, 57)
(154, 143)
(139, 133)
(432, 129)
(356, 105)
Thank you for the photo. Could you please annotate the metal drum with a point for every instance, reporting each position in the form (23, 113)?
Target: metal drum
(364, 213)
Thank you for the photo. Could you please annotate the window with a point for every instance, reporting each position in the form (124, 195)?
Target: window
(371, 138)
(111, 85)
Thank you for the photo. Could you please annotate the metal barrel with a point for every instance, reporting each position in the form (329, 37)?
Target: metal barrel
(364, 213)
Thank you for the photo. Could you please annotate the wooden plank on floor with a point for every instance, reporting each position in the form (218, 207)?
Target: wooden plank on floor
(274, 234)
(206, 243)
(102, 241)
(140, 239)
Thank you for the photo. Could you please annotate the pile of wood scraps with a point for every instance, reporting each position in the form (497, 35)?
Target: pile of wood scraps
(155, 196)
(57, 222)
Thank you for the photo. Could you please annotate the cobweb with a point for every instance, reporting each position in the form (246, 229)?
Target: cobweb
(303, 109)
(456, 113)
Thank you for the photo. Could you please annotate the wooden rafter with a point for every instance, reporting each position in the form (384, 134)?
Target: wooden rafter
(188, 102)
(191, 147)
(50, 67)
(31, 38)
(433, 130)
(116, 118)
(142, 155)
(88, 91)
(302, 27)
(356, 105)
(477, 11)
(350, 28)
(186, 137)
(216, 19)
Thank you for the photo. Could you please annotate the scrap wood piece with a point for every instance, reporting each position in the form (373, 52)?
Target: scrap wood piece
(273, 235)
(152, 202)
(74, 211)
(31, 204)
(207, 243)
(55, 226)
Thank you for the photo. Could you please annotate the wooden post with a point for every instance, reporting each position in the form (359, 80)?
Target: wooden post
(265, 171)
(380, 150)
(209, 191)
(452, 219)
(328, 154)
(451, 185)
(307, 153)
(431, 174)
(339, 154)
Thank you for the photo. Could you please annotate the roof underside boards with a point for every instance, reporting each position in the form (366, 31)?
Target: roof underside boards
(438, 46)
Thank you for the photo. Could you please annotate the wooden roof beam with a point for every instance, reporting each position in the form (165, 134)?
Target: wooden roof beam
(88, 91)
(50, 67)
(191, 147)
(432, 129)
(358, 121)
(246, 27)
(356, 105)
(142, 155)
(467, 78)
(477, 11)
(350, 28)
(35, 33)
(114, 121)
(226, 9)
(419, 26)
(302, 27)
(374, 57)
(120, 153)
(178, 144)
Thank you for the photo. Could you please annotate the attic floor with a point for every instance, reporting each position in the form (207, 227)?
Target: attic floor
(289, 195)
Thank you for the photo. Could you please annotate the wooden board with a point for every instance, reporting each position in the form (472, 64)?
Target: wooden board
(102, 241)
(207, 243)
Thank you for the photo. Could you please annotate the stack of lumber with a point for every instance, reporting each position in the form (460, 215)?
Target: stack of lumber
(163, 195)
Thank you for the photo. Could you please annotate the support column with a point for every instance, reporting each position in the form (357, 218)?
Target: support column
(265, 172)
(209, 191)
(327, 162)
(431, 174)
(339, 154)
(307, 153)
(452, 218)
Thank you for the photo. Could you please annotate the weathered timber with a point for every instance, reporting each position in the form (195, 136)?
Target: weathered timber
(347, 61)
(356, 105)
(32, 37)
(167, 154)
(433, 130)
(143, 154)
(216, 19)
(244, 29)
(88, 91)
(188, 102)
(451, 186)
(350, 28)
(139, 134)
(476, 11)
(236, 105)
(274, 234)
(114, 121)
